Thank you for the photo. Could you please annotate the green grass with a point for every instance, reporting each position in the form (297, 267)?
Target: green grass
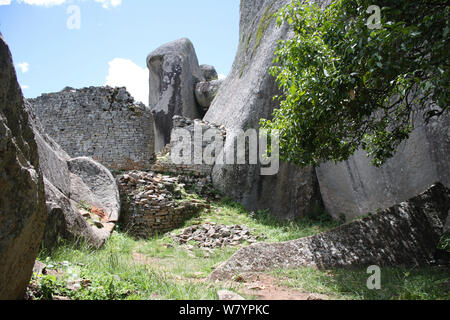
(431, 283)
(262, 223)
(198, 264)
(249, 38)
(179, 262)
(159, 268)
(242, 70)
(114, 274)
(444, 243)
(163, 269)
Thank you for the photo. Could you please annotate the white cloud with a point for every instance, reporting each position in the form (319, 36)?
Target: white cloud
(221, 76)
(105, 3)
(46, 3)
(24, 86)
(24, 67)
(109, 3)
(125, 73)
(5, 2)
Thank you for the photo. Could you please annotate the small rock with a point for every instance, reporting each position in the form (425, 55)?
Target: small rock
(225, 295)
(317, 296)
(61, 298)
(39, 267)
(256, 287)
(74, 285)
(208, 72)
(225, 232)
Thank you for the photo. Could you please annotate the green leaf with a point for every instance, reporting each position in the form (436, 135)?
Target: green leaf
(335, 73)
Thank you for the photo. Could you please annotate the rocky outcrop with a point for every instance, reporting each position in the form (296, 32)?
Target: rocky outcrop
(174, 72)
(209, 73)
(354, 187)
(22, 199)
(244, 98)
(405, 234)
(206, 91)
(103, 123)
(74, 187)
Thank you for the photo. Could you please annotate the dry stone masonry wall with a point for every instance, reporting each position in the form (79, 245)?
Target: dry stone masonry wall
(100, 122)
(154, 203)
(164, 162)
(190, 127)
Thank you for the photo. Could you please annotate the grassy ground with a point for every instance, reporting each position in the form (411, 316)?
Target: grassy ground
(430, 283)
(159, 268)
(113, 273)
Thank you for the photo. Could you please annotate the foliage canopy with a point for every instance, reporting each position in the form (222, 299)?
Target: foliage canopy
(347, 86)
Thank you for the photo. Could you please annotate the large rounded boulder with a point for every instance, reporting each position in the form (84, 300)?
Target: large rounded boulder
(174, 72)
(209, 72)
(206, 91)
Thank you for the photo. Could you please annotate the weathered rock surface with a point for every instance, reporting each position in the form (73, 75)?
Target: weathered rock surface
(91, 183)
(355, 187)
(22, 199)
(209, 72)
(70, 186)
(212, 235)
(174, 71)
(103, 123)
(405, 234)
(247, 92)
(244, 98)
(206, 91)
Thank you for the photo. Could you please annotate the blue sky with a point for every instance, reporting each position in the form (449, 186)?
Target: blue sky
(113, 39)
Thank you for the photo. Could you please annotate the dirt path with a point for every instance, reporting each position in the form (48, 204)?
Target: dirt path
(259, 285)
(265, 287)
(141, 258)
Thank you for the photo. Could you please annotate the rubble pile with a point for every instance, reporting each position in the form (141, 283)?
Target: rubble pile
(154, 203)
(212, 235)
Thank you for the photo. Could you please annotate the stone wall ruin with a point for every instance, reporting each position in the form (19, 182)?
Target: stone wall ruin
(100, 122)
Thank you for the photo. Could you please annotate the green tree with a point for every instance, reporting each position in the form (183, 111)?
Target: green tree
(347, 86)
